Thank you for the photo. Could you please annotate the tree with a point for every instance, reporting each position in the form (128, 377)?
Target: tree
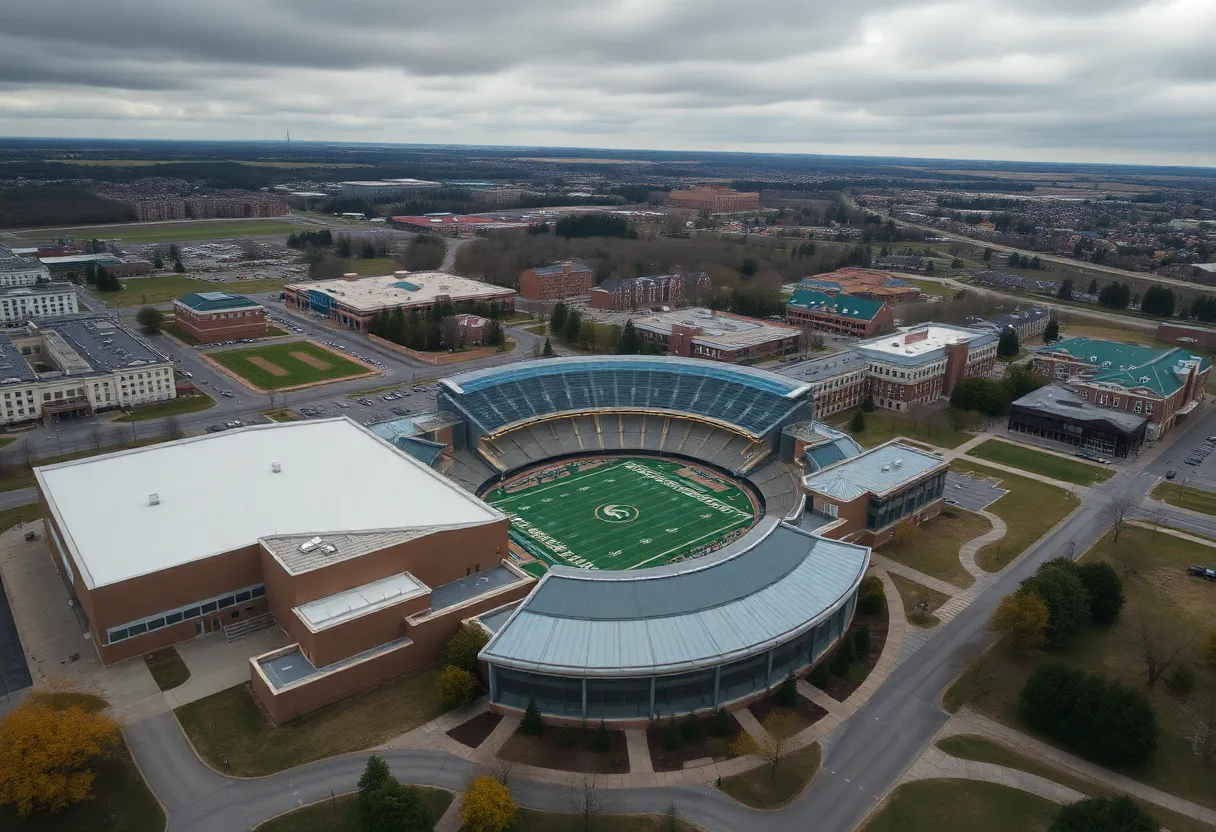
(547, 352)
(158, 262)
(1158, 649)
(494, 336)
(867, 403)
(1060, 587)
(1051, 333)
(863, 640)
(1008, 346)
(1022, 618)
(585, 802)
(95, 435)
(557, 320)
(871, 596)
(629, 343)
(174, 252)
(787, 694)
(531, 724)
(150, 319)
(178, 267)
(1093, 287)
(172, 427)
(1158, 300)
(602, 741)
(462, 648)
(46, 754)
(1117, 514)
(983, 394)
(587, 334)
(1104, 813)
(1105, 590)
(858, 423)
(671, 820)
(1065, 291)
(487, 806)
(779, 730)
(456, 686)
(987, 255)
(1021, 379)
(573, 327)
(1115, 295)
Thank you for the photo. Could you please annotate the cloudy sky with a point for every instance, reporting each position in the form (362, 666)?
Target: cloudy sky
(1067, 80)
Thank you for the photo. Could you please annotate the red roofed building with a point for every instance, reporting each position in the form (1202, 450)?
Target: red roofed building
(455, 225)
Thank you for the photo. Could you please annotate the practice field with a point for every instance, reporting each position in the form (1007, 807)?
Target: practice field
(622, 513)
(277, 366)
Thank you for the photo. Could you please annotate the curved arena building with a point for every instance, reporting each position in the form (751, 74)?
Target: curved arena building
(600, 463)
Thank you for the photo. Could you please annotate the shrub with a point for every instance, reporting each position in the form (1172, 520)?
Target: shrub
(673, 737)
(863, 641)
(872, 597)
(787, 694)
(840, 662)
(564, 737)
(531, 724)
(690, 728)
(858, 423)
(1105, 591)
(1022, 618)
(385, 804)
(456, 686)
(1099, 718)
(487, 806)
(849, 646)
(1106, 813)
(462, 648)
(820, 675)
(721, 724)
(1183, 679)
(1059, 585)
(602, 741)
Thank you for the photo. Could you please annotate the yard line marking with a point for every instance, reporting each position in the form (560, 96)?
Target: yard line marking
(688, 544)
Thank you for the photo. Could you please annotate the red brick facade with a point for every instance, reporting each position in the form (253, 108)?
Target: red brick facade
(221, 325)
(717, 200)
(566, 279)
(824, 320)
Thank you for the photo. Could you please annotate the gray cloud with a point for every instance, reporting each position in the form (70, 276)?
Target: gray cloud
(1087, 80)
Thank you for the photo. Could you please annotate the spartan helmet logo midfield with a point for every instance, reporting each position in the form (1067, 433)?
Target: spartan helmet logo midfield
(616, 513)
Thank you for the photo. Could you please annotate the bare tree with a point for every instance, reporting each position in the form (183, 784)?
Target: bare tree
(1118, 513)
(1203, 718)
(586, 802)
(503, 771)
(272, 394)
(1158, 649)
(95, 434)
(173, 428)
(27, 452)
(671, 819)
(120, 437)
(780, 726)
(979, 663)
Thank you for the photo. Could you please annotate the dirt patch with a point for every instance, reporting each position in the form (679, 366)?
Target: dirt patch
(807, 712)
(706, 744)
(310, 360)
(568, 749)
(474, 732)
(269, 366)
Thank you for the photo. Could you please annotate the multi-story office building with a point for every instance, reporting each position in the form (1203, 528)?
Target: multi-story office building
(21, 304)
(923, 363)
(838, 315)
(208, 317)
(565, 279)
(16, 270)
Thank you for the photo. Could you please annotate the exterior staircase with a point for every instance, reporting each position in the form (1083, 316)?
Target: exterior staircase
(249, 625)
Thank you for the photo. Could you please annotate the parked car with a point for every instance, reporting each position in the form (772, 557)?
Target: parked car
(1170, 474)
(228, 394)
(1205, 572)
(214, 428)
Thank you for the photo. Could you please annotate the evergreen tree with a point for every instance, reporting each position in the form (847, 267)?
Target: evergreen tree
(1008, 346)
(573, 327)
(531, 724)
(547, 352)
(174, 253)
(787, 694)
(1093, 287)
(858, 423)
(629, 343)
(557, 320)
(867, 403)
(1065, 291)
(1052, 333)
(602, 741)
(158, 262)
(178, 267)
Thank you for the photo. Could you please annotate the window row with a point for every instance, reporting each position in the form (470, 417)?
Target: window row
(186, 613)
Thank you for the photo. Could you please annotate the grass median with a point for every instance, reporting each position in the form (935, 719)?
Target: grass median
(341, 814)
(761, 788)
(1038, 462)
(1194, 499)
(913, 595)
(173, 407)
(962, 806)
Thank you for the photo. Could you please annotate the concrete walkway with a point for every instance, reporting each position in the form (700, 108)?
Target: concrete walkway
(936, 764)
(1078, 490)
(944, 587)
(967, 552)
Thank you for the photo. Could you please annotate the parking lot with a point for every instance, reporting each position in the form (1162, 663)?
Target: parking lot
(971, 494)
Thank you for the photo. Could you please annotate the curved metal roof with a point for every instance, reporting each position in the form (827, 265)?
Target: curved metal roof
(773, 585)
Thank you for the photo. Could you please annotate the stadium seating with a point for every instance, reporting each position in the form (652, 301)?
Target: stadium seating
(778, 486)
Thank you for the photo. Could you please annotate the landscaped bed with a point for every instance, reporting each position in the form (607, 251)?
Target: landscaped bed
(568, 749)
(806, 713)
(341, 814)
(473, 732)
(1039, 462)
(712, 741)
(840, 687)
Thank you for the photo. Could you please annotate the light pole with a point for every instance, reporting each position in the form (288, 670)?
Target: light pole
(59, 438)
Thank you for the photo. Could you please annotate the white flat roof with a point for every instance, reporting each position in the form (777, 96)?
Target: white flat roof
(325, 612)
(218, 493)
(919, 340)
(389, 291)
(717, 329)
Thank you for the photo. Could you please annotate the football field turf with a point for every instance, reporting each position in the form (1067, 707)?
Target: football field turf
(622, 514)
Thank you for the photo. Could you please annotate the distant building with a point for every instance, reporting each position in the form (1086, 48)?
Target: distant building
(900, 262)
(923, 363)
(78, 364)
(1027, 323)
(352, 301)
(624, 293)
(863, 283)
(456, 225)
(717, 336)
(472, 328)
(838, 315)
(20, 304)
(565, 279)
(837, 380)
(75, 266)
(1055, 413)
(16, 270)
(386, 190)
(1162, 384)
(208, 317)
(716, 200)
(1185, 335)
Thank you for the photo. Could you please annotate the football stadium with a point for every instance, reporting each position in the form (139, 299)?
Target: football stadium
(658, 500)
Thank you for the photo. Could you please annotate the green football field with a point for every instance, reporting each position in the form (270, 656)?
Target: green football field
(622, 514)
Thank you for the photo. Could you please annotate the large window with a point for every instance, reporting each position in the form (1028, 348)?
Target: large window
(557, 695)
(743, 678)
(177, 614)
(683, 693)
(618, 698)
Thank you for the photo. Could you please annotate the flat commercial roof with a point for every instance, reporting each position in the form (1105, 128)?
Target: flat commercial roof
(219, 492)
(922, 342)
(717, 329)
(699, 613)
(876, 471)
(1061, 402)
(216, 301)
(333, 609)
(368, 294)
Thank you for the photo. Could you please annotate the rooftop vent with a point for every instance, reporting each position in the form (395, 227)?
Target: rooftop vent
(899, 463)
(329, 548)
(276, 467)
(886, 468)
(153, 499)
(1144, 379)
(309, 545)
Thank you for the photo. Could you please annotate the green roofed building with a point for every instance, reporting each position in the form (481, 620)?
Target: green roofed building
(1162, 384)
(838, 314)
(212, 317)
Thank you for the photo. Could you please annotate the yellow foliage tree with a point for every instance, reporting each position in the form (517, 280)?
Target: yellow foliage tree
(780, 726)
(1022, 617)
(45, 755)
(487, 806)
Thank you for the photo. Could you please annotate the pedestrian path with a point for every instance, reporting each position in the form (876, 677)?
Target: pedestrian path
(944, 587)
(936, 764)
(1079, 490)
(968, 551)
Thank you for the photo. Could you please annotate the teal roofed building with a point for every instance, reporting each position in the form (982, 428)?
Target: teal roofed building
(215, 317)
(1162, 384)
(839, 314)
(215, 301)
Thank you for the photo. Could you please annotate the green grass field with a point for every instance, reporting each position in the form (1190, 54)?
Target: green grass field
(623, 513)
(1183, 496)
(1038, 462)
(144, 291)
(275, 366)
(170, 232)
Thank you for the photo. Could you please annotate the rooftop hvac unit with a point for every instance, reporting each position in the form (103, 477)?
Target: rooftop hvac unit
(276, 467)
(309, 545)
(329, 548)
(153, 499)
(897, 463)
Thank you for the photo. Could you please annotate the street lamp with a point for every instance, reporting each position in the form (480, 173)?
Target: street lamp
(60, 440)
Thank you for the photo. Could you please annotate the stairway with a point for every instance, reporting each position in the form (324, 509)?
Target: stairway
(249, 625)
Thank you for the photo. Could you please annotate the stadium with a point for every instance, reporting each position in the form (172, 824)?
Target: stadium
(659, 502)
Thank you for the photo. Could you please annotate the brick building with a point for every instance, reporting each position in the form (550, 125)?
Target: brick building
(717, 336)
(1026, 323)
(863, 283)
(624, 293)
(208, 317)
(839, 315)
(365, 589)
(923, 363)
(1187, 335)
(1163, 385)
(716, 200)
(837, 380)
(565, 279)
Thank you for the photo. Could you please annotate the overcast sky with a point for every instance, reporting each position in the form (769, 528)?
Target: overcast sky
(1067, 80)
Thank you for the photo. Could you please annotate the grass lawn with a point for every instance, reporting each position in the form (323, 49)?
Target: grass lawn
(275, 366)
(983, 750)
(531, 820)
(912, 595)
(171, 328)
(28, 513)
(229, 725)
(1029, 510)
(173, 407)
(539, 329)
(1179, 605)
(367, 267)
(140, 291)
(932, 287)
(16, 474)
(1037, 462)
(174, 232)
(933, 547)
(341, 814)
(283, 414)
(883, 425)
(760, 789)
(6, 440)
(962, 806)
(167, 668)
(121, 801)
(273, 331)
(1177, 494)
